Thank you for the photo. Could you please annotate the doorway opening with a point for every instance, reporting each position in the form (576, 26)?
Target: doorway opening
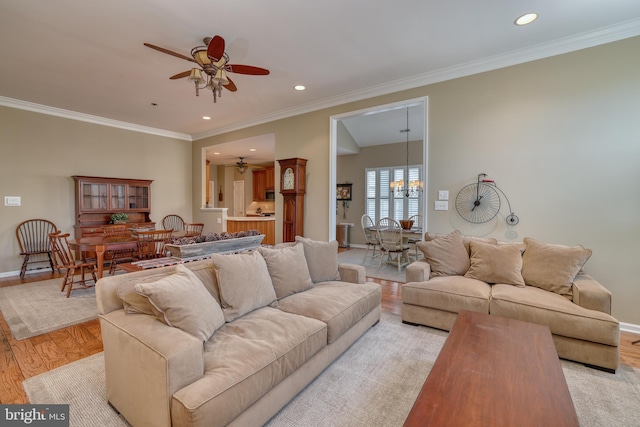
(419, 130)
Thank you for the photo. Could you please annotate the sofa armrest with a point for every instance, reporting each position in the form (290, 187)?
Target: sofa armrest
(418, 271)
(589, 293)
(353, 273)
(146, 362)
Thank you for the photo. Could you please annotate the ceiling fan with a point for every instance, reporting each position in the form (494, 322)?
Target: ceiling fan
(214, 62)
(242, 166)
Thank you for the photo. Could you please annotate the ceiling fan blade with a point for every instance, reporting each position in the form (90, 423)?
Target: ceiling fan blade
(181, 75)
(246, 69)
(215, 50)
(168, 52)
(231, 86)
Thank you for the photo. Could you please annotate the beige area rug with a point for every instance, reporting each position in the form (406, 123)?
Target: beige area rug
(36, 308)
(373, 384)
(386, 271)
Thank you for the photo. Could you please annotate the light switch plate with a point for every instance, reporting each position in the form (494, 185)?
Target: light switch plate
(441, 205)
(12, 201)
(443, 195)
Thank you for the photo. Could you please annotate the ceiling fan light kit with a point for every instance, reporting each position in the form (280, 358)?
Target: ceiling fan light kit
(214, 62)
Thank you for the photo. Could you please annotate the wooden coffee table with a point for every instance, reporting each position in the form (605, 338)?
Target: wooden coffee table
(494, 371)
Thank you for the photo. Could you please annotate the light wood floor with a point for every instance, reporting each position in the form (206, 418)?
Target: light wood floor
(32, 356)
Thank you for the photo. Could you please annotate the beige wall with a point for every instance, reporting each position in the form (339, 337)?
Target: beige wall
(560, 136)
(40, 153)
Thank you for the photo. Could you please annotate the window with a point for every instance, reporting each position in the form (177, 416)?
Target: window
(382, 202)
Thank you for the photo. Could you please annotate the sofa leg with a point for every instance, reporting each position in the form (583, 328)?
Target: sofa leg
(600, 368)
(635, 342)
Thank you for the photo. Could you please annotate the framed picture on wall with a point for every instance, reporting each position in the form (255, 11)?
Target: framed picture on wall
(343, 191)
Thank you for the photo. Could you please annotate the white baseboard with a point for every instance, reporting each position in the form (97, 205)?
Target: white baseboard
(630, 327)
(17, 272)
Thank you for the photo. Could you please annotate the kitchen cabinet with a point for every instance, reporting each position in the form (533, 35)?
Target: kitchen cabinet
(270, 178)
(259, 185)
(263, 181)
(266, 226)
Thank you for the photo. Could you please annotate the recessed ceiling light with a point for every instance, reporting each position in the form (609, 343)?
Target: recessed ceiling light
(299, 87)
(252, 149)
(216, 153)
(206, 118)
(527, 18)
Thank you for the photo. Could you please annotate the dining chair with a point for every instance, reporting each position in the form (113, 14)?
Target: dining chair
(64, 259)
(413, 241)
(392, 242)
(116, 255)
(193, 229)
(33, 239)
(151, 243)
(173, 222)
(370, 237)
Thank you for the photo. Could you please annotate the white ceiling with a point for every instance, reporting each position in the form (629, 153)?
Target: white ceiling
(86, 59)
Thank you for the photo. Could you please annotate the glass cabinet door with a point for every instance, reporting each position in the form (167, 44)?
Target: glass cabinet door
(138, 197)
(94, 196)
(118, 196)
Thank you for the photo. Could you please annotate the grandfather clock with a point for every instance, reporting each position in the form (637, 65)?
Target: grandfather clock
(293, 189)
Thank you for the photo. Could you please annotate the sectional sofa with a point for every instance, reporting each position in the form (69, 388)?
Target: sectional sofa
(232, 340)
(530, 281)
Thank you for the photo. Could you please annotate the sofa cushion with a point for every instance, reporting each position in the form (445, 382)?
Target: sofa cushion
(322, 259)
(338, 304)
(244, 283)
(446, 255)
(552, 267)
(452, 294)
(244, 360)
(466, 240)
(288, 269)
(496, 264)
(562, 316)
(182, 301)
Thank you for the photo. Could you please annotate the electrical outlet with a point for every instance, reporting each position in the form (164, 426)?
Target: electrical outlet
(12, 201)
(441, 206)
(219, 220)
(443, 195)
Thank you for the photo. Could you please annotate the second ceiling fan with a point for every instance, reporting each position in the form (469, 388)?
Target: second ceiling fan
(214, 62)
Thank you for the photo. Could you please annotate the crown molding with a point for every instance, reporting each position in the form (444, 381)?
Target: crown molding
(624, 30)
(74, 115)
(627, 29)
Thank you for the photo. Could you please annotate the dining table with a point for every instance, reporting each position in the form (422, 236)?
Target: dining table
(102, 244)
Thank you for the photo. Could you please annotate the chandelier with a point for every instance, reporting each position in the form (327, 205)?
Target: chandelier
(410, 188)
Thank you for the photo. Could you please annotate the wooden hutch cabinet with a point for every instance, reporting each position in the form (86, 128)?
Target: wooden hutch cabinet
(97, 198)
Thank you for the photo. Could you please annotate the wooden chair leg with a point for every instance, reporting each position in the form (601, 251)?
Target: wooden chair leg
(53, 269)
(23, 269)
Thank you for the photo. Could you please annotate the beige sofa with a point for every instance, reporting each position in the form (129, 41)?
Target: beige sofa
(529, 281)
(247, 334)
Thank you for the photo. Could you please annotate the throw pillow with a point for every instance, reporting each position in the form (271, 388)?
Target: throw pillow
(244, 283)
(322, 259)
(552, 267)
(288, 269)
(183, 302)
(465, 239)
(446, 255)
(496, 264)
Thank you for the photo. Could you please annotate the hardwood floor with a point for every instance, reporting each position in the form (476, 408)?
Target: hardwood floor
(26, 358)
